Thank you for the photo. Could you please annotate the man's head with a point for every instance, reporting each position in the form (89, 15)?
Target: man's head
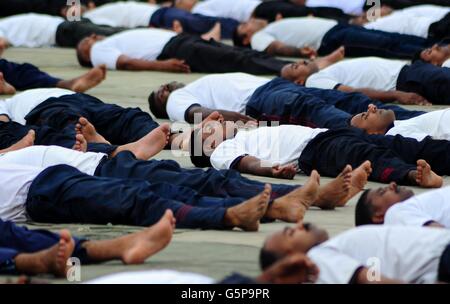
(68, 9)
(298, 239)
(373, 204)
(436, 55)
(157, 100)
(374, 121)
(186, 5)
(245, 31)
(84, 49)
(299, 72)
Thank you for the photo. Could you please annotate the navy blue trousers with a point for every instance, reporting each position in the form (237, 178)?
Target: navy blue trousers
(15, 240)
(392, 157)
(118, 125)
(289, 103)
(361, 42)
(215, 183)
(26, 76)
(192, 23)
(62, 194)
(427, 80)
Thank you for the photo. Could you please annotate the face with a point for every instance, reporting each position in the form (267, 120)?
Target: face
(85, 46)
(383, 198)
(300, 238)
(436, 55)
(298, 72)
(163, 92)
(249, 28)
(374, 121)
(186, 5)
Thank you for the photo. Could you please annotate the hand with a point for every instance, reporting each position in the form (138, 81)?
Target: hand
(308, 52)
(405, 98)
(294, 269)
(174, 65)
(4, 44)
(286, 172)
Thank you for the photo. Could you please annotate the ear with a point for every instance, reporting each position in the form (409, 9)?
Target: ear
(177, 27)
(247, 40)
(91, 5)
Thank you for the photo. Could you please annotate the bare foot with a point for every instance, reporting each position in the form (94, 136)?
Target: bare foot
(215, 33)
(360, 176)
(292, 207)
(89, 80)
(89, 132)
(336, 192)
(247, 215)
(149, 145)
(6, 88)
(141, 245)
(425, 177)
(52, 260)
(26, 141)
(80, 143)
(331, 59)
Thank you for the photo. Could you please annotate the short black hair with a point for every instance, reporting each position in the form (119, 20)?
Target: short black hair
(159, 113)
(201, 161)
(267, 258)
(417, 56)
(364, 210)
(82, 61)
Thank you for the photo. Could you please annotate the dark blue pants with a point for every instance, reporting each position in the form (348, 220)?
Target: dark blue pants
(62, 194)
(224, 183)
(192, 23)
(26, 76)
(427, 80)
(15, 240)
(361, 42)
(392, 157)
(289, 103)
(118, 125)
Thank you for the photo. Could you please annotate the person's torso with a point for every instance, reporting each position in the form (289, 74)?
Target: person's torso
(426, 10)
(123, 14)
(350, 7)
(30, 30)
(403, 24)
(48, 156)
(240, 10)
(435, 124)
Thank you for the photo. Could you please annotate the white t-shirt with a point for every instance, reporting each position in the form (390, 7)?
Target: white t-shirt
(153, 277)
(446, 64)
(30, 30)
(426, 10)
(48, 156)
(15, 182)
(373, 72)
(20, 105)
(145, 44)
(273, 145)
(399, 23)
(240, 10)
(421, 209)
(124, 14)
(435, 124)
(295, 32)
(348, 6)
(409, 254)
(229, 92)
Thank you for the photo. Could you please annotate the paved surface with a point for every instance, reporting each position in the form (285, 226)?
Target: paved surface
(212, 253)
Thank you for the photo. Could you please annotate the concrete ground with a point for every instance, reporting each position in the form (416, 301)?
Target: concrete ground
(212, 253)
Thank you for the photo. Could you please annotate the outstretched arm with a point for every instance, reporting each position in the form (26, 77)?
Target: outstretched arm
(171, 65)
(4, 118)
(227, 115)
(404, 98)
(278, 48)
(253, 165)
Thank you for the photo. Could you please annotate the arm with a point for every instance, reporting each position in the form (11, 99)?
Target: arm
(388, 96)
(253, 165)
(227, 115)
(278, 48)
(171, 65)
(4, 118)
(434, 224)
(361, 277)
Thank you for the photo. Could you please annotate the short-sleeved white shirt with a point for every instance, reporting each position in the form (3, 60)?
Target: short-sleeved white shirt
(295, 32)
(145, 44)
(128, 14)
(421, 209)
(30, 30)
(367, 72)
(15, 182)
(229, 92)
(240, 10)
(273, 145)
(435, 124)
(409, 254)
(47, 156)
(20, 105)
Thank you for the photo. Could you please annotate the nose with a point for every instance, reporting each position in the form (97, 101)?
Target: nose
(372, 108)
(393, 186)
(300, 226)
